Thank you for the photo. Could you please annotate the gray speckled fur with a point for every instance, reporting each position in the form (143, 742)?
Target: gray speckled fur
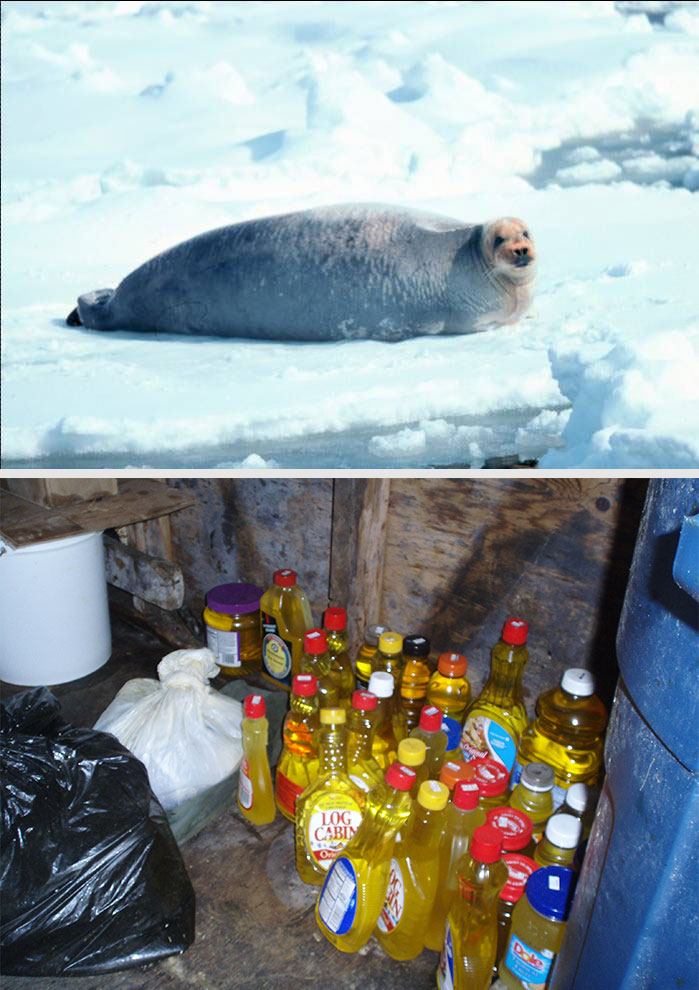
(336, 273)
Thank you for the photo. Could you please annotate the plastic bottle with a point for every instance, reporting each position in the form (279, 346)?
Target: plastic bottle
(452, 729)
(497, 718)
(580, 803)
(538, 925)
(471, 937)
(362, 662)
(533, 794)
(519, 869)
(355, 888)
(449, 688)
(361, 724)
(297, 766)
(568, 733)
(285, 615)
(412, 882)
(413, 753)
(461, 818)
(430, 731)
(315, 660)
(329, 811)
(384, 747)
(335, 622)
(255, 794)
(415, 678)
(561, 839)
(389, 656)
(492, 778)
(516, 827)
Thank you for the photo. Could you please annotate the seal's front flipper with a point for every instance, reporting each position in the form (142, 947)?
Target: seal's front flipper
(94, 310)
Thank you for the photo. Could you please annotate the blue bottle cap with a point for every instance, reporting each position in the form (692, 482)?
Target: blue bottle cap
(453, 731)
(549, 891)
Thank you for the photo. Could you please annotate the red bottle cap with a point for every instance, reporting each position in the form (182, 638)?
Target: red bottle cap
(486, 844)
(515, 631)
(335, 618)
(519, 868)
(400, 776)
(305, 685)
(315, 641)
(492, 776)
(515, 825)
(452, 664)
(254, 706)
(466, 794)
(364, 701)
(284, 578)
(431, 718)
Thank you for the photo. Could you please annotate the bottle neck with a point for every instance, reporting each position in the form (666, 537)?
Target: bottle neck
(333, 749)
(360, 735)
(504, 685)
(303, 706)
(338, 641)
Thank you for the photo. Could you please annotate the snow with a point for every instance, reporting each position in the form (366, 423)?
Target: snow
(128, 126)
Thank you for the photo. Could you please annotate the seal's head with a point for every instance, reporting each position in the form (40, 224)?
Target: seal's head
(509, 247)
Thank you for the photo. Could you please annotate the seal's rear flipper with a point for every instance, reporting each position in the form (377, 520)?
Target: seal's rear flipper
(73, 318)
(93, 310)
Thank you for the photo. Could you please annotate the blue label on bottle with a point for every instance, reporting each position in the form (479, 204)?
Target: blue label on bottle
(483, 736)
(337, 904)
(516, 774)
(530, 966)
(445, 970)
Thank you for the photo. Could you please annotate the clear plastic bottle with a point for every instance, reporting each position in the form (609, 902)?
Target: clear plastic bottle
(568, 733)
(462, 818)
(534, 795)
(361, 725)
(580, 802)
(362, 662)
(355, 888)
(516, 827)
(449, 688)
(538, 926)
(415, 678)
(497, 718)
(471, 937)
(384, 747)
(430, 731)
(315, 660)
(492, 778)
(255, 793)
(560, 841)
(285, 614)
(519, 869)
(389, 656)
(297, 766)
(329, 811)
(412, 882)
(335, 622)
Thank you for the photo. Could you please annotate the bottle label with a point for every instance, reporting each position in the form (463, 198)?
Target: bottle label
(362, 784)
(333, 820)
(445, 970)
(516, 774)
(392, 910)
(276, 652)
(245, 795)
(337, 904)
(483, 736)
(530, 966)
(287, 792)
(226, 646)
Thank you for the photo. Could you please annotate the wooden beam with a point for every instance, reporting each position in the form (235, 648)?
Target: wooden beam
(151, 578)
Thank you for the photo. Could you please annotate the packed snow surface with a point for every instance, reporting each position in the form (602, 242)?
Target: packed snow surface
(130, 126)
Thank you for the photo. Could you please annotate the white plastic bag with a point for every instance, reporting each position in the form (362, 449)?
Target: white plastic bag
(187, 735)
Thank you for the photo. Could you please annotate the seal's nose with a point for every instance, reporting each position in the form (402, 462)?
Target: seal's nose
(521, 252)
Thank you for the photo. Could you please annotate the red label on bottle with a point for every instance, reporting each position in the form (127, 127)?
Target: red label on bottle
(287, 792)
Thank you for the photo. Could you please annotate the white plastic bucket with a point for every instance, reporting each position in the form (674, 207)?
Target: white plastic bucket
(54, 616)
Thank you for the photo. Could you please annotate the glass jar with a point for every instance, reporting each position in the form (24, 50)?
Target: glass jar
(232, 617)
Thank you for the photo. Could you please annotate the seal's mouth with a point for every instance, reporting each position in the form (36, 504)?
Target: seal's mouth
(522, 261)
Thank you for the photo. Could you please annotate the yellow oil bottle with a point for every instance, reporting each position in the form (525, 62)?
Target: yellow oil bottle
(315, 660)
(434, 738)
(462, 818)
(519, 869)
(415, 678)
(534, 795)
(389, 656)
(471, 936)
(355, 888)
(497, 718)
(568, 733)
(362, 662)
(560, 841)
(285, 614)
(329, 811)
(384, 747)
(297, 766)
(412, 882)
(335, 622)
(255, 793)
(361, 724)
(449, 688)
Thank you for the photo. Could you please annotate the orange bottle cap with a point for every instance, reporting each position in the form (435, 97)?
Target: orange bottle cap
(452, 664)
(454, 770)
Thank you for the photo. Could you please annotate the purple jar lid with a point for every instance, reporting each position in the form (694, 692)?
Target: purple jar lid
(234, 599)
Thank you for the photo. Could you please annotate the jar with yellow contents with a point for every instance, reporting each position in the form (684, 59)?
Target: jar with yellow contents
(232, 617)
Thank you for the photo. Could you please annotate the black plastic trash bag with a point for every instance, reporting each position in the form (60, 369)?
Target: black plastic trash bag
(92, 879)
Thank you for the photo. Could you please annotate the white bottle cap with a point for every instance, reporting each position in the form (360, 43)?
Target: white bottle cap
(576, 797)
(564, 831)
(381, 684)
(578, 681)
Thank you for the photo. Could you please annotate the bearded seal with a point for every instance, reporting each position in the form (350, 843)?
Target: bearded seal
(328, 274)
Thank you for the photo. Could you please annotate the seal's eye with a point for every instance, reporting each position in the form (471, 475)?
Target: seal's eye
(498, 241)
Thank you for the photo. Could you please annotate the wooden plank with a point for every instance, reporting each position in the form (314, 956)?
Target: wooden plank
(23, 522)
(151, 578)
(52, 492)
(167, 625)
